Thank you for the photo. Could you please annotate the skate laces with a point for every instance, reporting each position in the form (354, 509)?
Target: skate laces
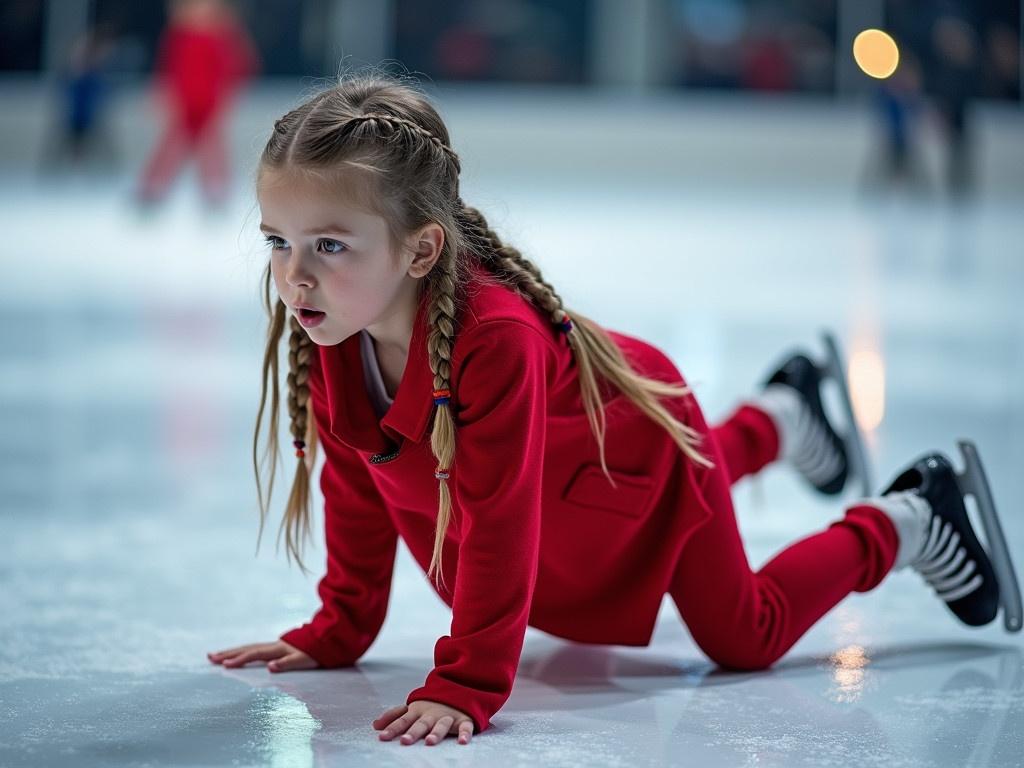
(940, 556)
(815, 456)
(804, 439)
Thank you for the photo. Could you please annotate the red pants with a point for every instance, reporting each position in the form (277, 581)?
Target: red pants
(747, 620)
(186, 134)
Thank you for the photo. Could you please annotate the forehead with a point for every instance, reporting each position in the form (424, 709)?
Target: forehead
(303, 197)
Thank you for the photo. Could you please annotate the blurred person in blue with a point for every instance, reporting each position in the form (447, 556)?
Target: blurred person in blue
(84, 91)
(945, 38)
(899, 106)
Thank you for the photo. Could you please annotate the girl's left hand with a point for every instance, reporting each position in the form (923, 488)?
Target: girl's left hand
(424, 717)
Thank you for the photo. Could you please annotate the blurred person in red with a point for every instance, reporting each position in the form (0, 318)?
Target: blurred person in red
(204, 56)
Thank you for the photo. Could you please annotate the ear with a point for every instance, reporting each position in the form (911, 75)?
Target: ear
(427, 243)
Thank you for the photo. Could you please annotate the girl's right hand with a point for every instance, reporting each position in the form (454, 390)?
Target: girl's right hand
(279, 655)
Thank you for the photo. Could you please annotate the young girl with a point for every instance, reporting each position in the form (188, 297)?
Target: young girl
(546, 471)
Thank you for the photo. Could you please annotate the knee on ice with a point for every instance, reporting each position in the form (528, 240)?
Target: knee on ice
(742, 659)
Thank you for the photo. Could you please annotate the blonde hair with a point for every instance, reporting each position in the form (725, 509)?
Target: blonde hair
(378, 124)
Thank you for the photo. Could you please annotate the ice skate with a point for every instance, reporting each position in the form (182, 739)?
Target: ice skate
(827, 458)
(938, 541)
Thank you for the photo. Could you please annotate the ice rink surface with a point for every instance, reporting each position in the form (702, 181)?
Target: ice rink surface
(129, 362)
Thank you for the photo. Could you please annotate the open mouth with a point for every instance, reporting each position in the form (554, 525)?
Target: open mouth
(309, 314)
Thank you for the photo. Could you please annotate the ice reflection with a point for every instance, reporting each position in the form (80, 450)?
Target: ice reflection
(848, 674)
(867, 385)
(286, 728)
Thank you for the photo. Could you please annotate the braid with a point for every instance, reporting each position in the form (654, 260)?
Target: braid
(403, 126)
(440, 341)
(522, 273)
(300, 348)
(526, 279)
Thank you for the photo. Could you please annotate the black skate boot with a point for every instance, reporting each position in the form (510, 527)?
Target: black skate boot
(826, 459)
(972, 581)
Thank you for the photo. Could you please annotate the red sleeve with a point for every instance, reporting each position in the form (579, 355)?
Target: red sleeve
(361, 543)
(500, 431)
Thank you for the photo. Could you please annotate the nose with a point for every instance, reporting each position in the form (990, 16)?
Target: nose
(295, 271)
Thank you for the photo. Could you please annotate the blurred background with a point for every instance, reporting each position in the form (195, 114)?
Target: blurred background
(724, 178)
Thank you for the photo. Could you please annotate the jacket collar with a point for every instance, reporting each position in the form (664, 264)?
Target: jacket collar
(352, 417)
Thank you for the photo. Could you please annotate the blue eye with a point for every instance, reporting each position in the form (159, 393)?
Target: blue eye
(328, 246)
(341, 246)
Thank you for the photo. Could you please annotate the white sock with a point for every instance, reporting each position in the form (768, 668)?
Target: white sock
(911, 514)
(782, 404)
(802, 441)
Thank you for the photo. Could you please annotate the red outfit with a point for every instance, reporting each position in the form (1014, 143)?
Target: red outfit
(199, 68)
(538, 536)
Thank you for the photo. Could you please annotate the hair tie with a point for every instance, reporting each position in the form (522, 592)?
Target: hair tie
(440, 474)
(442, 396)
(299, 445)
(566, 325)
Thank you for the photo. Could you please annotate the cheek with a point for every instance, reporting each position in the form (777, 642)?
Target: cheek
(277, 274)
(345, 287)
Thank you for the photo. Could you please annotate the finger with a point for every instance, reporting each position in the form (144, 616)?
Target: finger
(420, 727)
(465, 731)
(399, 726)
(286, 662)
(237, 661)
(389, 715)
(247, 656)
(440, 730)
(228, 652)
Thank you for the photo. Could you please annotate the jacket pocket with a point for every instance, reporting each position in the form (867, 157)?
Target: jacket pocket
(631, 496)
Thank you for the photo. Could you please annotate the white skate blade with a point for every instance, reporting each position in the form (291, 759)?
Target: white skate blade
(973, 481)
(852, 437)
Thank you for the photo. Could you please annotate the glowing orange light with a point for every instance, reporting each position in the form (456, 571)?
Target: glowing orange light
(876, 53)
(867, 387)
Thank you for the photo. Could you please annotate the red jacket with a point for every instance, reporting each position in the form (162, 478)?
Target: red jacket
(538, 536)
